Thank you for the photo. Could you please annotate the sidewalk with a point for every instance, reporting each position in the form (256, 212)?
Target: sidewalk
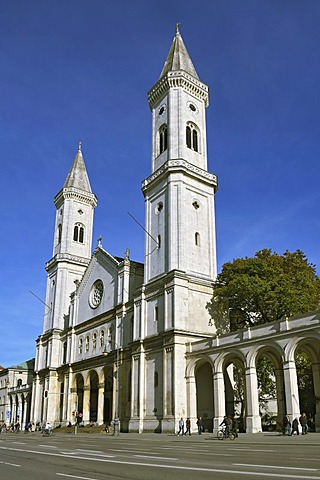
(263, 438)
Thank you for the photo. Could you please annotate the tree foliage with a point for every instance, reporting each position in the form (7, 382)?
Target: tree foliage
(265, 288)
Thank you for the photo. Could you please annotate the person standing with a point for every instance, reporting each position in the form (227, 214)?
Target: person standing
(286, 425)
(199, 425)
(303, 420)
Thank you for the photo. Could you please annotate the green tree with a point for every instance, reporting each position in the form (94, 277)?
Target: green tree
(265, 288)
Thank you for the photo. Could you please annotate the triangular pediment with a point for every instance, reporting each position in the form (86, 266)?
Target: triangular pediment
(97, 292)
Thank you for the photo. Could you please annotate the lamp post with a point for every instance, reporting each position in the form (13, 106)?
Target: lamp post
(116, 419)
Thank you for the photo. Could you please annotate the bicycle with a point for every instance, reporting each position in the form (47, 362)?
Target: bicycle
(47, 432)
(222, 434)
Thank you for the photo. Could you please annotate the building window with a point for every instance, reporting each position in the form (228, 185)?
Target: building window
(197, 239)
(156, 313)
(94, 340)
(156, 379)
(159, 207)
(64, 352)
(59, 232)
(102, 338)
(96, 294)
(87, 343)
(80, 345)
(78, 233)
(163, 138)
(192, 137)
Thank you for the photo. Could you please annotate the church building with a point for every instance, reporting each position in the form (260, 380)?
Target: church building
(115, 331)
(133, 344)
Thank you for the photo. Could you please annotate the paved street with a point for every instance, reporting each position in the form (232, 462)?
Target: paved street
(154, 457)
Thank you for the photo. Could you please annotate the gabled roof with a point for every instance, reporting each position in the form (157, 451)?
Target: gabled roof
(178, 57)
(78, 177)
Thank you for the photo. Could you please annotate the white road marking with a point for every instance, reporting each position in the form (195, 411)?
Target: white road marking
(157, 458)
(74, 476)
(274, 466)
(11, 464)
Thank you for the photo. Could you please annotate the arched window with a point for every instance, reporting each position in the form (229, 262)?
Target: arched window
(94, 340)
(87, 343)
(78, 233)
(197, 239)
(192, 137)
(80, 345)
(156, 379)
(159, 241)
(163, 139)
(59, 232)
(188, 137)
(156, 313)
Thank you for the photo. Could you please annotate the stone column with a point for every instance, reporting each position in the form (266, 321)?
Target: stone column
(100, 403)
(291, 389)
(86, 404)
(253, 420)
(219, 399)
(35, 413)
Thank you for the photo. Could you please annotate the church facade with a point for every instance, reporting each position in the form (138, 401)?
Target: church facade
(115, 331)
(133, 344)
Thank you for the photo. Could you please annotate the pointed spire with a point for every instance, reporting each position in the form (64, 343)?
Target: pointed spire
(78, 177)
(178, 57)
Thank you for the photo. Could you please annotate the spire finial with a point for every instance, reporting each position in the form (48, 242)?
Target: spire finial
(99, 241)
(177, 28)
(79, 147)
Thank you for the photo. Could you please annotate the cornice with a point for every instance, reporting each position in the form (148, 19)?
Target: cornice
(176, 79)
(75, 194)
(179, 164)
(66, 257)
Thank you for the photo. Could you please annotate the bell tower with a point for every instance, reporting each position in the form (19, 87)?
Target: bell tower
(179, 193)
(72, 242)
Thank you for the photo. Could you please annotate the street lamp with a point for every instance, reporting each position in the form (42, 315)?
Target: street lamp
(116, 420)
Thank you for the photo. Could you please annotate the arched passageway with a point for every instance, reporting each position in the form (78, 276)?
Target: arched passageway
(204, 388)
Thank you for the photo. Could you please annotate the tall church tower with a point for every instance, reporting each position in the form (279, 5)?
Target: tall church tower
(72, 242)
(179, 194)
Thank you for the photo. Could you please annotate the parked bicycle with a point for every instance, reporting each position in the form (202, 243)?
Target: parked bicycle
(222, 434)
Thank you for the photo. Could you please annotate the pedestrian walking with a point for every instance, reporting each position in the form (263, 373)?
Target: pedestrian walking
(188, 426)
(303, 420)
(181, 426)
(295, 427)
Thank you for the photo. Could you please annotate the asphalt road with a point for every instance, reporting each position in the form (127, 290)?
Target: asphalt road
(158, 457)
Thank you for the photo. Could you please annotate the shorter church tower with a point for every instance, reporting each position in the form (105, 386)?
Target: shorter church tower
(72, 242)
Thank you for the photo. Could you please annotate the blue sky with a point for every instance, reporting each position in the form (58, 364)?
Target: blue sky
(80, 70)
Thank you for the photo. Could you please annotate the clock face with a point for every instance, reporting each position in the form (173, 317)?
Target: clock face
(162, 109)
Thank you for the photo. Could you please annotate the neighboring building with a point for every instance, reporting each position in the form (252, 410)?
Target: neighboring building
(15, 393)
